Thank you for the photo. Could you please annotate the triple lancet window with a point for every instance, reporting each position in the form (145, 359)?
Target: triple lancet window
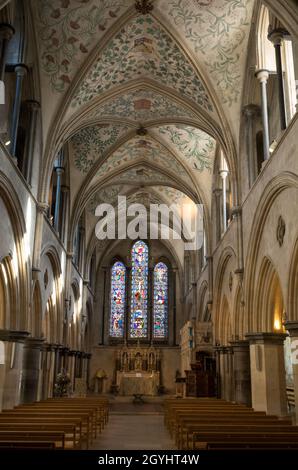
(135, 315)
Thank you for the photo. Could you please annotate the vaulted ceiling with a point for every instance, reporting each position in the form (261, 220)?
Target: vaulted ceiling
(143, 100)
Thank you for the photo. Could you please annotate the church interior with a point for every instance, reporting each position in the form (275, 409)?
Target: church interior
(119, 343)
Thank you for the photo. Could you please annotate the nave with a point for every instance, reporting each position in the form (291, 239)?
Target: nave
(135, 427)
(110, 109)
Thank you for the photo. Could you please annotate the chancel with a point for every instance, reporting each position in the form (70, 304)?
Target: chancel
(138, 370)
(149, 229)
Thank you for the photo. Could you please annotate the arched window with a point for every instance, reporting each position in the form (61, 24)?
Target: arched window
(118, 278)
(139, 321)
(160, 304)
(139, 291)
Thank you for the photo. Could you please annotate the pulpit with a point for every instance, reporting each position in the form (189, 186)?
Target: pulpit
(138, 370)
(200, 380)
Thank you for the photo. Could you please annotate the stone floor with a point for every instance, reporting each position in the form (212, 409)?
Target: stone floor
(134, 427)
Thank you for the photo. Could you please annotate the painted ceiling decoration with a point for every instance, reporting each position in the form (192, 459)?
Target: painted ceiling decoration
(108, 194)
(195, 145)
(142, 49)
(171, 194)
(146, 148)
(68, 30)
(141, 105)
(217, 31)
(92, 142)
(142, 175)
(144, 6)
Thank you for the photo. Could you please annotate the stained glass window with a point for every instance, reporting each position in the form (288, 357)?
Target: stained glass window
(160, 301)
(139, 290)
(117, 300)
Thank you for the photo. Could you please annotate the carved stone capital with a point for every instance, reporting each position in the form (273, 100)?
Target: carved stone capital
(6, 31)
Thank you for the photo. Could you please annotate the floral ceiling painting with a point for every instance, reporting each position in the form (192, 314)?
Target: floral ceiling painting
(171, 195)
(145, 148)
(196, 146)
(142, 175)
(68, 30)
(92, 142)
(217, 32)
(105, 195)
(142, 49)
(141, 105)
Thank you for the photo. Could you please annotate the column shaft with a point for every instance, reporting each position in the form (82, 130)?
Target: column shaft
(31, 369)
(6, 33)
(242, 372)
(21, 71)
(276, 37)
(28, 161)
(292, 327)
(268, 376)
(59, 172)
(262, 76)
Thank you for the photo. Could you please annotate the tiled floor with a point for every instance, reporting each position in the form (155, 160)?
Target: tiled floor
(141, 429)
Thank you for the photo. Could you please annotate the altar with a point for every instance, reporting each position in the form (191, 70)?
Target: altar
(138, 370)
(138, 383)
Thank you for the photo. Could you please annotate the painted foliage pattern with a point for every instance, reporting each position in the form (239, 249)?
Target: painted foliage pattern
(174, 195)
(117, 300)
(139, 290)
(141, 105)
(141, 175)
(141, 49)
(160, 304)
(68, 30)
(142, 147)
(218, 30)
(109, 195)
(91, 142)
(194, 144)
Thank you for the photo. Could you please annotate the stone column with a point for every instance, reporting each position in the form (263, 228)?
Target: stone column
(57, 363)
(226, 373)
(262, 76)
(88, 358)
(48, 364)
(223, 174)
(276, 36)
(217, 193)
(20, 70)
(65, 202)
(33, 107)
(11, 372)
(64, 359)
(31, 369)
(251, 111)
(230, 383)
(71, 368)
(292, 328)
(268, 376)
(6, 33)
(221, 371)
(59, 172)
(242, 372)
(216, 350)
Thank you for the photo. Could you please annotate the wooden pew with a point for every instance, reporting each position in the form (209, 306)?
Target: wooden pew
(211, 423)
(245, 439)
(48, 422)
(71, 436)
(27, 445)
(55, 437)
(29, 414)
